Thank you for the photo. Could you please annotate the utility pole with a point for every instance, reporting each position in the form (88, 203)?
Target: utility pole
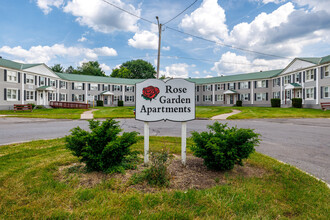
(159, 41)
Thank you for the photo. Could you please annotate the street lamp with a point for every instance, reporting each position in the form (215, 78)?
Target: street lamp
(159, 41)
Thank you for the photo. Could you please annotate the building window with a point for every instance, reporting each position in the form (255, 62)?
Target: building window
(197, 98)
(208, 88)
(78, 86)
(42, 81)
(62, 85)
(276, 95)
(261, 84)
(309, 93)
(298, 77)
(115, 98)
(11, 76)
(245, 97)
(129, 88)
(287, 80)
(94, 87)
(52, 96)
(29, 95)
(52, 83)
(219, 86)
(12, 95)
(326, 92)
(62, 97)
(288, 94)
(277, 82)
(231, 86)
(244, 85)
(129, 98)
(309, 75)
(208, 98)
(261, 97)
(219, 98)
(326, 71)
(78, 98)
(29, 79)
(116, 88)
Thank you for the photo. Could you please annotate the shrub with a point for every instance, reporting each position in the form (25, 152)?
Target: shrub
(40, 107)
(223, 147)
(296, 102)
(275, 102)
(157, 174)
(33, 105)
(239, 103)
(120, 103)
(99, 103)
(102, 149)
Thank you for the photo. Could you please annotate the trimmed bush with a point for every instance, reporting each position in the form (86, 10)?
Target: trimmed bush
(99, 103)
(120, 103)
(296, 102)
(157, 174)
(102, 149)
(223, 147)
(239, 103)
(33, 105)
(276, 103)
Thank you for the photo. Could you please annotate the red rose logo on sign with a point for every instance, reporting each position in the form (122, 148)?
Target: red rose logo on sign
(150, 92)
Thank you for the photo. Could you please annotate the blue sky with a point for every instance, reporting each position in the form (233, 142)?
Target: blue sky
(268, 33)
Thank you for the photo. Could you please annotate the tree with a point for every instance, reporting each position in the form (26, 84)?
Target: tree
(139, 69)
(57, 68)
(70, 69)
(90, 68)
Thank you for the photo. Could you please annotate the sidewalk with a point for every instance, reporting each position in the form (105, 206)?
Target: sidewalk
(88, 115)
(225, 116)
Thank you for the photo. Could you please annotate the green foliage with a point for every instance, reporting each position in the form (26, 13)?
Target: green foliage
(296, 102)
(157, 174)
(223, 147)
(33, 105)
(70, 69)
(135, 69)
(275, 103)
(120, 103)
(239, 103)
(99, 103)
(90, 68)
(57, 68)
(102, 149)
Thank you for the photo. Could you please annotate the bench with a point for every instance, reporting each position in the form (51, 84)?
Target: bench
(18, 107)
(324, 105)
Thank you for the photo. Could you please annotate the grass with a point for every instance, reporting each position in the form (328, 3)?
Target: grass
(46, 113)
(29, 189)
(114, 112)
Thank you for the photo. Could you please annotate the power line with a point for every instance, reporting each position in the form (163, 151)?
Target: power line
(181, 12)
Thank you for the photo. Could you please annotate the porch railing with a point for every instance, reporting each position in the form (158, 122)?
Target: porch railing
(56, 104)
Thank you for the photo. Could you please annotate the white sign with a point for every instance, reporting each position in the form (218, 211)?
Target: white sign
(157, 100)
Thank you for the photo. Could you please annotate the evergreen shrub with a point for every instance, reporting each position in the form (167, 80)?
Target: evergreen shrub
(120, 103)
(239, 103)
(275, 103)
(99, 103)
(296, 102)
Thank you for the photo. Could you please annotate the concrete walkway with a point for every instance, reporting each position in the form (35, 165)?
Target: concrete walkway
(225, 116)
(88, 115)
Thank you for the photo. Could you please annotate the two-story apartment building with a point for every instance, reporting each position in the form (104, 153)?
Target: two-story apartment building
(306, 78)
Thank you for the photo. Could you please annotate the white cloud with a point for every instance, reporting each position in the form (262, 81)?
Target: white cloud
(316, 5)
(44, 54)
(46, 5)
(144, 40)
(208, 21)
(103, 17)
(189, 39)
(82, 39)
(273, 1)
(230, 63)
(177, 70)
(166, 48)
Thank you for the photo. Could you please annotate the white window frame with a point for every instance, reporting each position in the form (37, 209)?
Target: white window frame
(52, 96)
(62, 85)
(208, 87)
(244, 85)
(116, 88)
(130, 98)
(129, 88)
(94, 87)
(78, 86)
(231, 85)
(42, 81)
(30, 79)
(276, 95)
(63, 97)
(261, 96)
(11, 95)
(309, 75)
(52, 82)
(78, 98)
(327, 71)
(245, 97)
(261, 84)
(12, 76)
(297, 77)
(219, 97)
(309, 93)
(324, 92)
(287, 79)
(288, 94)
(29, 95)
(115, 98)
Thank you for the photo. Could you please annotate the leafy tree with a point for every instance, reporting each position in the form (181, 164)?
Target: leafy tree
(70, 69)
(57, 68)
(90, 68)
(122, 72)
(139, 69)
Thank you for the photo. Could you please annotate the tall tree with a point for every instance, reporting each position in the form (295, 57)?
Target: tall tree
(90, 68)
(70, 69)
(139, 69)
(57, 68)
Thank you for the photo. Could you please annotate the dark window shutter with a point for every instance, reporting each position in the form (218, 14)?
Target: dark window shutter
(121, 88)
(315, 75)
(83, 86)
(66, 86)
(321, 92)
(56, 83)
(35, 95)
(5, 94)
(211, 98)
(255, 84)
(203, 98)
(39, 80)
(48, 81)
(49, 96)
(255, 96)
(249, 84)
(24, 78)
(19, 95)
(266, 83)
(98, 97)
(224, 86)
(56, 97)
(293, 78)
(134, 89)
(89, 86)
(228, 86)
(35, 79)
(249, 96)
(314, 92)
(304, 76)
(5, 75)
(211, 87)
(133, 97)
(72, 86)
(24, 95)
(102, 87)
(83, 97)
(121, 98)
(73, 97)
(113, 87)
(303, 93)
(98, 87)
(234, 86)
(216, 87)
(322, 72)
(66, 97)
(282, 81)
(19, 77)
(239, 85)
(215, 98)
(266, 96)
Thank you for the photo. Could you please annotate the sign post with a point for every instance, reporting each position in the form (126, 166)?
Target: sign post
(157, 100)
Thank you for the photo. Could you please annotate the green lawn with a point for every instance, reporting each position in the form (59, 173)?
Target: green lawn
(114, 112)
(46, 113)
(30, 189)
